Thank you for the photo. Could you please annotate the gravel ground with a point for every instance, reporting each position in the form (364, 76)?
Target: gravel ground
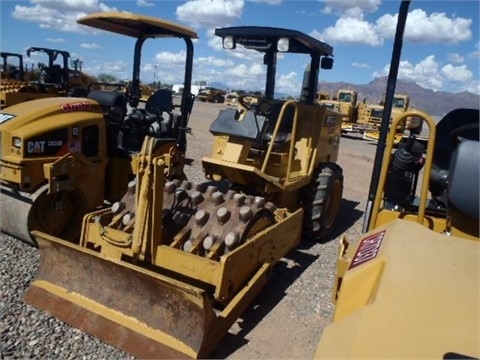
(284, 321)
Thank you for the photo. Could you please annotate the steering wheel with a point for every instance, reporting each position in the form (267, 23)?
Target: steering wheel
(464, 132)
(262, 106)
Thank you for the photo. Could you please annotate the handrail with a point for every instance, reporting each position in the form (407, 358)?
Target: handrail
(280, 119)
(386, 162)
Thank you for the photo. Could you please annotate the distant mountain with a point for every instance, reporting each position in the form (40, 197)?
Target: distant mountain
(435, 103)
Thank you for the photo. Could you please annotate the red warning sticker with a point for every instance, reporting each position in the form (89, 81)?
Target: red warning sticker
(368, 249)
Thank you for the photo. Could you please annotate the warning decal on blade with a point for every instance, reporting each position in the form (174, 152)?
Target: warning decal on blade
(367, 250)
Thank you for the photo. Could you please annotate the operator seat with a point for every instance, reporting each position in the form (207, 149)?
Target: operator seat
(284, 132)
(445, 145)
(160, 103)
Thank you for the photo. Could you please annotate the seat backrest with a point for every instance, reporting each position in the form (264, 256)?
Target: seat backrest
(286, 126)
(160, 101)
(250, 127)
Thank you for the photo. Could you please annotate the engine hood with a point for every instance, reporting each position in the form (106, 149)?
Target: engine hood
(47, 113)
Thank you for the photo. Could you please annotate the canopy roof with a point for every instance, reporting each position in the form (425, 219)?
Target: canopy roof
(136, 26)
(262, 38)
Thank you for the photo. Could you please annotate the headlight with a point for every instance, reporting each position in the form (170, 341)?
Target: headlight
(16, 142)
(283, 44)
(228, 42)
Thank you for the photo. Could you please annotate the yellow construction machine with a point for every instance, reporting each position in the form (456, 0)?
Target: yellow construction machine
(212, 95)
(232, 99)
(323, 95)
(408, 288)
(62, 157)
(167, 270)
(372, 115)
(15, 85)
(52, 79)
(9, 70)
(345, 102)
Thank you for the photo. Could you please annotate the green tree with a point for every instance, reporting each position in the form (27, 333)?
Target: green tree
(107, 78)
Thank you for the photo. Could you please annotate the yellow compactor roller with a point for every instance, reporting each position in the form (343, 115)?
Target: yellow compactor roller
(409, 288)
(167, 270)
(62, 157)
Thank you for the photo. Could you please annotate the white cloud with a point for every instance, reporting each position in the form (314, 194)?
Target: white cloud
(210, 13)
(90, 46)
(144, 3)
(473, 87)
(210, 60)
(119, 69)
(456, 58)
(56, 40)
(305, 13)
(353, 31)
(475, 54)
(317, 35)
(286, 83)
(247, 71)
(214, 41)
(171, 58)
(269, 2)
(424, 28)
(69, 5)
(457, 73)
(351, 8)
(59, 14)
(429, 74)
(420, 27)
(426, 73)
(115, 66)
(361, 65)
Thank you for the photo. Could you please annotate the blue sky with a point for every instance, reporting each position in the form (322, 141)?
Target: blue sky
(441, 45)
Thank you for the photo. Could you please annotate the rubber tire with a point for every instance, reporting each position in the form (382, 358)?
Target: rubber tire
(325, 190)
(71, 228)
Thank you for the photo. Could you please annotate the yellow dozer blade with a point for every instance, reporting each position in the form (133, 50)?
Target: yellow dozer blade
(145, 313)
(137, 310)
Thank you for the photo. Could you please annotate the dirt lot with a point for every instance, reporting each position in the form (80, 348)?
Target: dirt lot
(286, 320)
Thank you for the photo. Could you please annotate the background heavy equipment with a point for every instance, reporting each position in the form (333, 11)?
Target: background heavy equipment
(371, 115)
(365, 118)
(63, 75)
(175, 264)
(345, 102)
(212, 95)
(9, 70)
(62, 157)
(232, 99)
(409, 287)
(55, 78)
(15, 81)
